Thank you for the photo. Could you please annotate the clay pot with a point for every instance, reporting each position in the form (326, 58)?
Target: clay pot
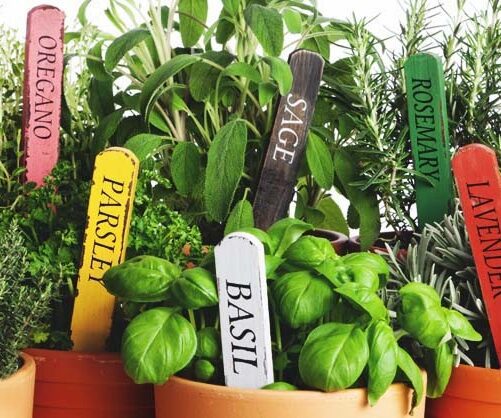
(390, 237)
(16, 392)
(84, 385)
(180, 398)
(473, 392)
(338, 240)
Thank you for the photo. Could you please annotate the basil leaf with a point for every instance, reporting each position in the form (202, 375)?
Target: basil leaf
(460, 326)
(411, 370)
(439, 367)
(333, 356)
(261, 236)
(272, 264)
(225, 167)
(369, 261)
(195, 289)
(279, 386)
(122, 45)
(157, 344)
(240, 217)
(192, 17)
(208, 343)
(268, 26)
(363, 298)
(186, 167)
(302, 298)
(319, 161)
(280, 72)
(309, 251)
(285, 232)
(383, 352)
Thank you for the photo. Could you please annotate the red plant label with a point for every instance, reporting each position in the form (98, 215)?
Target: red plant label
(477, 177)
(43, 79)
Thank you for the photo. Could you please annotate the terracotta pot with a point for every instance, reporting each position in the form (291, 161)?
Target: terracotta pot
(180, 398)
(338, 240)
(473, 392)
(390, 237)
(84, 385)
(16, 392)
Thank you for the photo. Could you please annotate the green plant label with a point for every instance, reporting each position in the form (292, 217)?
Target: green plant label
(243, 311)
(429, 134)
(288, 139)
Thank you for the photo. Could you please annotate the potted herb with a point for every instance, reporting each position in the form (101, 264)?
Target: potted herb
(25, 305)
(332, 331)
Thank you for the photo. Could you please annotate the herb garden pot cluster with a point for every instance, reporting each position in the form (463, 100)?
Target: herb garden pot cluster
(16, 392)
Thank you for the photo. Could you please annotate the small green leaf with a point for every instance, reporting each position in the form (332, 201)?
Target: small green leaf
(185, 167)
(208, 343)
(193, 15)
(144, 145)
(281, 73)
(439, 367)
(242, 69)
(225, 28)
(411, 370)
(105, 130)
(285, 232)
(268, 26)
(95, 62)
(317, 43)
(293, 20)
(122, 45)
(333, 217)
(309, 251)
(333, 356)
(266, 92)
(157, 344)
(279, 386)
(261, 236)
(195, 289)
(363, 298)
(240, 217)
(461, 327)
(203, 76)
(231, 6)
(101, 98)
(225, 168)
(82, 18)
(319, 161)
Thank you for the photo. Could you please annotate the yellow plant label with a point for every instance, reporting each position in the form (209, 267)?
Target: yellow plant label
(106, 235)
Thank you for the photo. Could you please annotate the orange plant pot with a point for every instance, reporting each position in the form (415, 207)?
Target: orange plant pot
(181, 398)
(473, 392)
(16, 392)
(85, 385)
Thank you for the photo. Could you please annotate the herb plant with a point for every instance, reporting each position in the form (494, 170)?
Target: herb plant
(331, 328)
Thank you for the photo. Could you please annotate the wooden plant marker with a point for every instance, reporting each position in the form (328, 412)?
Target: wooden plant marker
(243, 311)
(43, 81)
(288, 139)
(479, 184)
(429, 134)
(106, 235)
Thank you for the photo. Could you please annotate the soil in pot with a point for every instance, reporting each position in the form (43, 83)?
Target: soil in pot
(181, 398)
(16, 392)
(87, 385)
(473, 392)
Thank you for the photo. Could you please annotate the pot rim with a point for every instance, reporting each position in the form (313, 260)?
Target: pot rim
(475, 383)
(27, 369)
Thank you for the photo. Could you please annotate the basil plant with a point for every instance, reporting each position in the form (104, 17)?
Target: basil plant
(331, 328)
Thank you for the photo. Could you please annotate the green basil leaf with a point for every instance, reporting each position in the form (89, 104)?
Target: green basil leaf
(279, 386)
(208, 343)
(192, 18)
(280, 72)
(461, 327)
(333, 217)
(302, 298)
(153, 86)
(268, 26)
(285, 232)
(122, 45)
(364, 298)
(185, 167)
(240, 217)
(333, 356)
(319, 161)
(203, 76)
(225, 167)
(141, 279)
(439, 367)
(261, 236)
(383, 352)
(144, 145)
(334, 271)
(204, 370)
(157, 344)
(412, 372)
(242, 69)
(368, 261)
(272, 264)
(195, 289)
(309, 251)
(293, 20)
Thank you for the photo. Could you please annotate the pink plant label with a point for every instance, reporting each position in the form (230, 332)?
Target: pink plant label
(43, 80)
(478, 180)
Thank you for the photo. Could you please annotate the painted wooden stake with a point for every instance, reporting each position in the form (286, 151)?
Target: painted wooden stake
(429, 134)
(243, 311)
(106, 235)
(43, 81)
(478, 181)
(288, 139)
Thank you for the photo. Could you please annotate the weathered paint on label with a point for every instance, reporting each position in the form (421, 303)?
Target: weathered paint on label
(43, 80)
(243, 311)
(429, 132)
(106, 236)
(478, 181)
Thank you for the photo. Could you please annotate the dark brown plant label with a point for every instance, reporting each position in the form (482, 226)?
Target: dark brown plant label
(478, 181)
(243, 311)
(106, 236)
(43, 80)
(288, 139)
(429, 134)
